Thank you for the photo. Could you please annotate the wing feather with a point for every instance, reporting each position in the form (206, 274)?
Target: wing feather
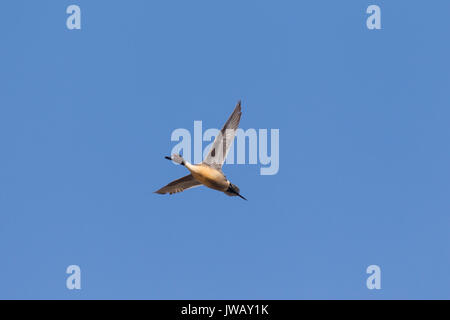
(222, 143)
(179, 185)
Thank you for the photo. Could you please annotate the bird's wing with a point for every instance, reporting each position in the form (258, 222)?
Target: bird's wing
(219, 150)
(179, 185)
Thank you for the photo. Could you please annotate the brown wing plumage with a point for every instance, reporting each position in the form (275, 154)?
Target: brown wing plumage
(179, 185)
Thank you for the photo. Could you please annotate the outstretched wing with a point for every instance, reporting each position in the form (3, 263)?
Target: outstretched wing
(179, 185)
(224, 139)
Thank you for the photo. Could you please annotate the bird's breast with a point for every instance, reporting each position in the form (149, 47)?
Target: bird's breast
(210, 177)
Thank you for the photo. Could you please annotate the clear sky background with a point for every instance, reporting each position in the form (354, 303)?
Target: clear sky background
(86, 117)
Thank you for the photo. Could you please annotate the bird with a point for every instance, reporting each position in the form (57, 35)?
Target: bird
(209, 172)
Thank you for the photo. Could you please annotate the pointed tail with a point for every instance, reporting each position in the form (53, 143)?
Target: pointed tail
(177, 159)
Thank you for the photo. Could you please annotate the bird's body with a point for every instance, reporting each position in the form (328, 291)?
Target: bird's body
(208, 176)
(209, 172)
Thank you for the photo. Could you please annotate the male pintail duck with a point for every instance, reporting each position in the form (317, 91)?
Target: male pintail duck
(209, 172)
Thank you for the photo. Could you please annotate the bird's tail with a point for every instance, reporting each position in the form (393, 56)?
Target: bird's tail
(177, 159)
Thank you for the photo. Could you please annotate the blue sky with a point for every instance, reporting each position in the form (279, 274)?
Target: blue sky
(86, 117)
